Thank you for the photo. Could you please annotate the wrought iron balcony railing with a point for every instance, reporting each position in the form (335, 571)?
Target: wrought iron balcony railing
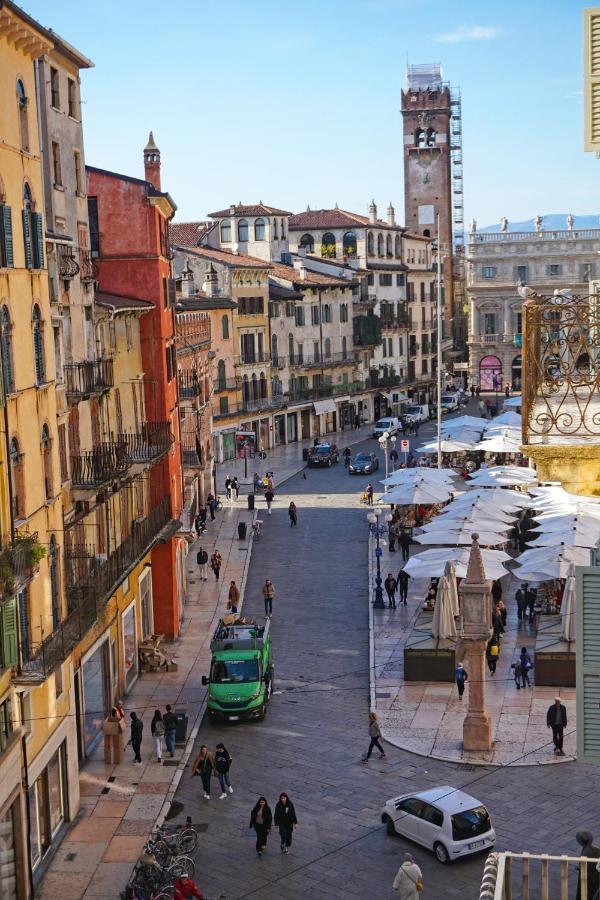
(90, 581)
(87, 378)
(147, 445)
(228, 384)
(68, 267)
(92, 468)
(88, 267)
(252, 359)
(190, 384)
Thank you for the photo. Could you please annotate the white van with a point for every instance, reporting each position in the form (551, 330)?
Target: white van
(418, 412)
(450, 402)
(390, 424)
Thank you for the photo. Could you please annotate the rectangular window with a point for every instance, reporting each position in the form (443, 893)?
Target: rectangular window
(400, 348)
(223, 405)
(62, 452)
(289, 310)
(410, 290)
(587, 271)
(489, 323)
(165, 292)
(169, 363)
(72, 98)
(385, 279)
(79, 183)
(521, 273)
(422, 290)
(6, 238)
(400, 280)
(54, 88)
(371, 279)
(489, 271)
(553, 270)
(299, 315)
(56, 171)
(314, 315)
(94, 230)
(423, 367)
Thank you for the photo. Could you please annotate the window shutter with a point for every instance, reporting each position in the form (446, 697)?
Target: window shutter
(10, 644)
(591, 80)
(172, 295)
(7, 254)
(23, 625)
(27, 238)
(38, 240)
(588, 663)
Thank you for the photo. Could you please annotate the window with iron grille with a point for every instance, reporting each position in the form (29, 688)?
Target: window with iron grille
(6, 238)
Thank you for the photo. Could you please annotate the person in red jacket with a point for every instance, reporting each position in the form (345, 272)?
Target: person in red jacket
(186, 888)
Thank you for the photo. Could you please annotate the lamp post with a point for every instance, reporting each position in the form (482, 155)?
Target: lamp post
(383, 443)
(378, 530)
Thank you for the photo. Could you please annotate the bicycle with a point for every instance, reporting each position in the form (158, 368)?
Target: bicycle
(183, 839)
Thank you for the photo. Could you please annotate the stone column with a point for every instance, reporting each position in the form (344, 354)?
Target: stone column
(476, 629)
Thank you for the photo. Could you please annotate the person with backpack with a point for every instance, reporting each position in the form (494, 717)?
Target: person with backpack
(222, 765)
(170, 720)
(460, 676)
(202, 560)
(204, 766)
(216, 561)
(409, 879)
(228, 487)
(235, 486)
(157, 727)
(285, 819)
(261, 819)
(492, 653)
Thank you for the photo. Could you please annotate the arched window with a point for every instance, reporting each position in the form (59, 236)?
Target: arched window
(16, 475)
(379, 245)
(275, 237)
(349, 242)
(370, 244)
(291, 348)
(225, 326)
(263, 386)
(54, 592)
(344, 347)
(243, 231)
(388, 245)
(397, 247)
(225, 232)
(259, 230)
(430, 138)
(6, 346)
(328, 245)
(307, 243)
(245, 389)
(426, 232)
(419, 138)
(274, 353)
(327, 348)
(254, 387)
(23, 115)
(221, 375)
(47, 457)
(38, 345)
(327, 312)
(282, 229)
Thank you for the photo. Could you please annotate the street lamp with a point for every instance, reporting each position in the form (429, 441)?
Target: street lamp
(383, 443)
(378, 530)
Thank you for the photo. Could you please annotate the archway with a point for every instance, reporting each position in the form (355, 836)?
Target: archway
(489, 368)
(516, 372)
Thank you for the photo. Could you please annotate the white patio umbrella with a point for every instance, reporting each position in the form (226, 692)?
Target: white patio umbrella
(448, 445)
(567, 609)
(554, 568)
(423, 492)
(474, 422)
(566, 521)
(407, 476)
(496, 497)
(539, 558)
(476, 508)
(497, 476)
(501, 443)
(571, 538)
(442, 623)
(431, 563)
(513, 403)
(454, 537)
(507, 418)
(470, 524)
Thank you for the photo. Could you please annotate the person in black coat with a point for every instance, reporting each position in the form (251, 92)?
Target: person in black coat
(261, 819)
(137, 727)
(556, 719)
(403, 579)
(285, 819)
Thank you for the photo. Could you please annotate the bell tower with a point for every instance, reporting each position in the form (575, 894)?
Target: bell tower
(152, 163)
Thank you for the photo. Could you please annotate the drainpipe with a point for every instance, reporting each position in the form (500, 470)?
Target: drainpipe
(25, 783)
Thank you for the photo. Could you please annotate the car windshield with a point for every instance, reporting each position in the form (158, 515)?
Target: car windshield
(412, 410)
(470, 823)
(447, 398)
(234, 671)
(323, 451)
(383, 423)
(362, 458)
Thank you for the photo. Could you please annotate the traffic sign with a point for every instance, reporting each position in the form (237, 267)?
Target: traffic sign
(405, 446)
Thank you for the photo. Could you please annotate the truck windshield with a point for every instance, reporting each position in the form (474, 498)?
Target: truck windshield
(234, 671)
(413, 410)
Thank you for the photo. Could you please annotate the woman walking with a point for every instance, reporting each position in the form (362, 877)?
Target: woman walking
(215, 563)
(204, 766)
(157, 727)
(293, 514)
(409, 879)
(269, 497)
(285, 819)
(222, 765)
(261, 819)
(233, 600)
(492, 653)
(375, 735)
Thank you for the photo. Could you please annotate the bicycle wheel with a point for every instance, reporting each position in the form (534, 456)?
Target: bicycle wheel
(182, 865)
(187, 841)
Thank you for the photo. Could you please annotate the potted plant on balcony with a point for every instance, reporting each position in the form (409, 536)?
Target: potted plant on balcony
(7, 580)
(33, 551)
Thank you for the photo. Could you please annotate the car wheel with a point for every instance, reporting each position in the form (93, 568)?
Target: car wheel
(441, 854)
(389, 826)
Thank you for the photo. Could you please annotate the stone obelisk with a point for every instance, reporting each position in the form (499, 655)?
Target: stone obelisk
(476, 630)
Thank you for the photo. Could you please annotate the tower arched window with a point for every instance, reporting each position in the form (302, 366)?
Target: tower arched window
(54, 589)
(282, 229)
(243, 231)
(275, 235)
(328, 245)
(221, 375)
(370, 244)
(225, 232)
(6, 347)
(38, 345)
(16, 478)
(388, 245)
(397, 247)
(419, 137)
(225, 326)
(259, 229)
(263, 386)
(379, 245)
(22, 104)
(344, 348)
(307, 243)
(430, 137)
(47, 458)
(349, 243)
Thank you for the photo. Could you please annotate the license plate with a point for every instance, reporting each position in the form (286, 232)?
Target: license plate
(236, 718)
(476, 844)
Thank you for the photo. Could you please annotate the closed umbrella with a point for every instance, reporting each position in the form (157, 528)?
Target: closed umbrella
(450, 574)
(461, 536)
(442, 623)
(567, 609)
(431, 563)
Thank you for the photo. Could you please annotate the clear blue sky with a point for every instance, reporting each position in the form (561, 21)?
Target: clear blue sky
(296, 103)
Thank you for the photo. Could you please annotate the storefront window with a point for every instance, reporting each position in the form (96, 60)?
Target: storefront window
(55, 797)
(8, 857)
(229, 445)
(36, 850)
(46, 806)
(129, 646)
(145, 586)
(95, 693)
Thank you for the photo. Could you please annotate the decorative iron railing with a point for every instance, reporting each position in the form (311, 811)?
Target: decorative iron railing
(93, 468)
(561, 368)
(88, 267)
(190, 384)
(147, 445)
(87, 378)
(68, 267)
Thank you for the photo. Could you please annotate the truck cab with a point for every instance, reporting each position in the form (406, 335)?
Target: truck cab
(240, 683)
(417, 412)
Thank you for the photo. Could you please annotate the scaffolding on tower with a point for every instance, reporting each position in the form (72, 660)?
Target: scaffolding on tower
(456, 158)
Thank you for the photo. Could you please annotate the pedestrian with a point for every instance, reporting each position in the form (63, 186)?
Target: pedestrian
(257, 483)
(268, 594)
(517, 673)
(507, 391)
(403, 579)
(390, 585)
(405, 542)
(530, 598)
(204, 766)
(477, 391)
(369, 493)
(202, 560)
(285, 819)
(261, 819)
(392, 536)
(394, 458)
(472, 390)
(409, 879)
(556, 719)
(496, 590)
(497, 624)
(200, 521)
(502, 611)
(482, 408)
(137, 727)
(212, 505)
(460, 676)
(233, 600)
(235, 486)
(520, 598)
(215, 563)
(269, 497)
(184, 888)
(376, 737)
(228, 487)
(293, 514)
(157, 727)
(526, 666)
(492, 653)
(222, 765)
(270, 482)
(170, 720)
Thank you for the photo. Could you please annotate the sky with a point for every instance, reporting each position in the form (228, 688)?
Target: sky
(297, 103)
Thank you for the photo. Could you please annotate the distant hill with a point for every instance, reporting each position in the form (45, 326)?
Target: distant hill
(552, 222)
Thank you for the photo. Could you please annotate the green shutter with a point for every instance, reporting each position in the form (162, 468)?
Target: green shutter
(6, 235)
(587, 622)
(38, 240)
(8, 624)
(27, 238)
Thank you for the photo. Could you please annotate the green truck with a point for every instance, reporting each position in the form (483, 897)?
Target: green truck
(240, 683)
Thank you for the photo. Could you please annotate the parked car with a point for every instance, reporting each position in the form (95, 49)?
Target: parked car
(443, 819)
(391, 424)
(323, 455)
(363, 464)
(450, 402)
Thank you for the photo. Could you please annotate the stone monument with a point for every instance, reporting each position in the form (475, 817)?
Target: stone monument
(476, 630)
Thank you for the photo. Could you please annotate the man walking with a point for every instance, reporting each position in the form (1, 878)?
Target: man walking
(460, 676)
(390, 585)
(269, 497)
(403, 578)
(202, 560)
(405, 542)
(521, 598)
(369, 493)
(268, 594)
(556, 719)
(170, 721)
(235, 486)
(137, 727)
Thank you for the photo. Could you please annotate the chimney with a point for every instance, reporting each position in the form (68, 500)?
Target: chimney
(391, 214)
(211, 282)
(373, 212)
(300, 267)
(187, 281)
(152, 163)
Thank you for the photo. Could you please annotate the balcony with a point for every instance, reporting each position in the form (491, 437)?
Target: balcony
(88, 267)
(189, 384)
(396, 323)
(254, 359)
(229, 384)
(17, 563)
(311, 362)
(91, 469)
(413, 349)
(258, 404)
(535, 876)
(148, 445)
(88, 378)
(68, 267)
(90, 580)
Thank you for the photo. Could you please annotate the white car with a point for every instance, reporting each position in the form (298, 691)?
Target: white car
(443, 819)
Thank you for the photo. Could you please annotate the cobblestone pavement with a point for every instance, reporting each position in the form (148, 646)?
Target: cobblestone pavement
(315, 733)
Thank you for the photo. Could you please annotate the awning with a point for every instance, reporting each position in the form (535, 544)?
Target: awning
(324, 406)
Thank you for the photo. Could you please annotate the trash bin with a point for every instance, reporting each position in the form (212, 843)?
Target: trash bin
(250, 501)
(305, 454)
(181, 727)
(242, 528)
